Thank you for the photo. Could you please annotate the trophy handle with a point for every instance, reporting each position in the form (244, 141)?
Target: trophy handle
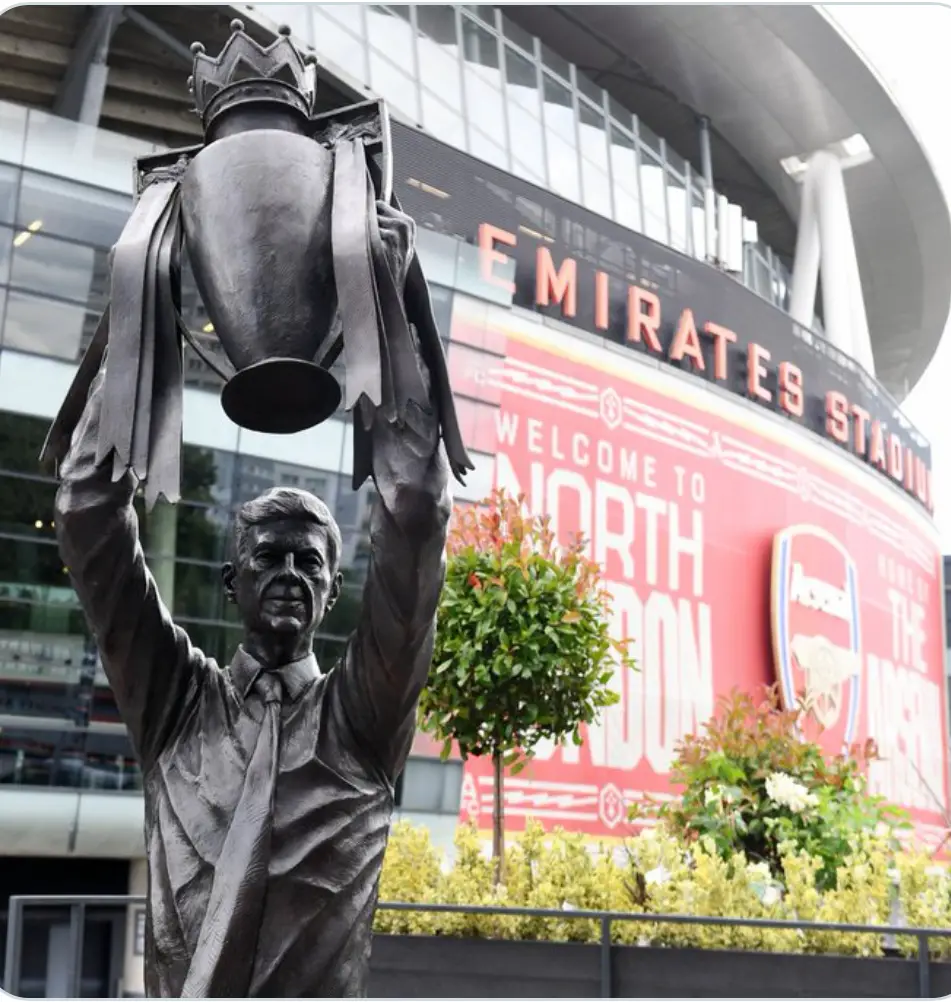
(368, 121)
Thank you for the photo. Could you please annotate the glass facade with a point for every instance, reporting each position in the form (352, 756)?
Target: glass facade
(474, 79)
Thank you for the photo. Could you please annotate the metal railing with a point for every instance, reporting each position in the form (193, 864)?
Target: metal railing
(78, 904)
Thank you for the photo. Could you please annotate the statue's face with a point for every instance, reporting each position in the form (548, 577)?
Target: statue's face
(283, 582)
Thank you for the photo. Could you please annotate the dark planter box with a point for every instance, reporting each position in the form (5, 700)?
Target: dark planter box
(441, 967)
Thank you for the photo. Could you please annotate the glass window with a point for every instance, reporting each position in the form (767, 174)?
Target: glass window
(698, 221)
(439, 52)
(589, 88)
(524, 107)
(627, 205)
(649, 138)
(63, 208)
(557, 63)
(6, 252)
(675, 161)
(430, 786)
(559, 110)
(347, 14)
(12, 131)
(596, 185)
(9, 182)
(295, 16)
(483, 81)
(486, 149)
(66, 270)
(389, 30)
(442, 122)
(563, 171)
(677, 209)
(655, 196)
(394, 85)
(517, 35)
(46, 327)
(337, 44)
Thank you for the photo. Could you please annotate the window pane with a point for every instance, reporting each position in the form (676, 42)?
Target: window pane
(392, 84)
(338, 45)
(589, 88)
(654, 191)
(439, 52)
(9, 179)
(295, 16)
(649, 138)
(677, 207)
(486, 149)
(66, 209)
(596, 189)
(594, 144)
(6, 252)
(443, 123)
(524, 105)
(517, 35)
(483, 81)
(561, 141)
(46, 327)
(555, 62)
(699, 224)
(66, 270)
(389, 30)
(559, 110)
(627, 207)
(347, 14)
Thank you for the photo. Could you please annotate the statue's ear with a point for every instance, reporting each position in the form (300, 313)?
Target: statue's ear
(334, 592)
(227, 579)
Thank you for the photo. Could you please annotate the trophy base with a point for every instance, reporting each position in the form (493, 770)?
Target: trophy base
(280, 396)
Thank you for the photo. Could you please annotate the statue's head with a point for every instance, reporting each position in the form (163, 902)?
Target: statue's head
(284, 577)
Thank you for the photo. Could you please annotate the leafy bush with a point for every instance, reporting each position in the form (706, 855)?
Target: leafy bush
(659, 873)
(523, 647)
(752, 785)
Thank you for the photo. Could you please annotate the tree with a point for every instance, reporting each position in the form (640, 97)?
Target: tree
(523, 650)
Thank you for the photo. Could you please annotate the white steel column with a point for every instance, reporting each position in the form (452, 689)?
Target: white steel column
(825, 246)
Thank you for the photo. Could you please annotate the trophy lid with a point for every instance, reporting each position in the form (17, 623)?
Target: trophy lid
(245, 72)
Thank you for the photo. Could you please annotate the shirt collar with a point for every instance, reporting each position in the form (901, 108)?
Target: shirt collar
(296, 676)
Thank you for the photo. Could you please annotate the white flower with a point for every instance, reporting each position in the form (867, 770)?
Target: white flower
(712, 796)
(882, 830)
(782, 789)
(760, 870)
(894, 875)
(566, 906)
(772, 896)
(648, 833)
(659, 875)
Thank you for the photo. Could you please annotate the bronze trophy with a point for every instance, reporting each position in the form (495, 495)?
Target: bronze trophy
(277, 212)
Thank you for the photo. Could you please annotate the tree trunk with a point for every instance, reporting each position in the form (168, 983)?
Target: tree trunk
(498, 818)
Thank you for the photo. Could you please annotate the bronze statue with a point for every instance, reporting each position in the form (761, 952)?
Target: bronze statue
(269, 786)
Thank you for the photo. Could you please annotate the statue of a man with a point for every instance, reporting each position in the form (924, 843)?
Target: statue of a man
(268, 784)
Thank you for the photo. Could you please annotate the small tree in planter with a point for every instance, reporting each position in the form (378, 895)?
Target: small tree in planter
(523, 650)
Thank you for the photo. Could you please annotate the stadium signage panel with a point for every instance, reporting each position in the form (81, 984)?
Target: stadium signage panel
(541, 252)
(754, 364)
(692, 504)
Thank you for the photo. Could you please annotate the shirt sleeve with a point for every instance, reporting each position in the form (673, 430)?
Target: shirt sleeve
(387, 659)
(148, 660)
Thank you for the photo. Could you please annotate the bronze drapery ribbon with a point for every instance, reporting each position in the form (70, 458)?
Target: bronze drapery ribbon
(380, 356)
(139, 331)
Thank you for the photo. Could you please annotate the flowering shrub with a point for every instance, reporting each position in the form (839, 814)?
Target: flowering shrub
(659, 873)
(752, 785)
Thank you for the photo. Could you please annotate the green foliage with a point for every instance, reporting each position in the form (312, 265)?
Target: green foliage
(752, 785)
(658, 873)
(523, 650)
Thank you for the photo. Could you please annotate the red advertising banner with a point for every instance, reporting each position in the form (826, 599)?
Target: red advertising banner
(739, 550)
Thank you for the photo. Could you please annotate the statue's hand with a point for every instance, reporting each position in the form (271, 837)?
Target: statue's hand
(398, 232)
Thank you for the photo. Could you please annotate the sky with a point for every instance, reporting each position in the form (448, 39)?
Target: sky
(907, 44)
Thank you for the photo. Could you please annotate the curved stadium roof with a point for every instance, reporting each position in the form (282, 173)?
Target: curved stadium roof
(780, 81)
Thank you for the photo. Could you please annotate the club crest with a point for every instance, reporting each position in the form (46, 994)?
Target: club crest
(816, 632)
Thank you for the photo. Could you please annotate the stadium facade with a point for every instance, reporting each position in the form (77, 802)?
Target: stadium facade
(687, 262)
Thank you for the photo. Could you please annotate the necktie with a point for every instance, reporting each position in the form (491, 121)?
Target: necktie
(224, 956)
